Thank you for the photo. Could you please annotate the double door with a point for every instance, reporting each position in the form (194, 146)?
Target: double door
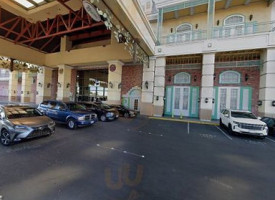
(181, 102)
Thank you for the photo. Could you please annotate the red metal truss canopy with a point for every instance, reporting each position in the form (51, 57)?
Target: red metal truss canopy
(45, 35)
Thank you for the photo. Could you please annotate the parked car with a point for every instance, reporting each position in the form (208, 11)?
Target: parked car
(243, 122)
(104, 111)
(270, 122)
(23, 122)
(70, 113)
(125, 112)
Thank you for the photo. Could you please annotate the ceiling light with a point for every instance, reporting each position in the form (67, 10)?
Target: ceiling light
(39, 1)
(24, 3)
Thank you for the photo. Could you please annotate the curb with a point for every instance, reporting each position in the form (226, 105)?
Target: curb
(185, 121)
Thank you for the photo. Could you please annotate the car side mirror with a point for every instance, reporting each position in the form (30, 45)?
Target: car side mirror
(259, 118)
(226, 115)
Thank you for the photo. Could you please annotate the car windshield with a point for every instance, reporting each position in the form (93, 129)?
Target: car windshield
(75, 106)
(246, 115)
(105, 106)
(22, 112)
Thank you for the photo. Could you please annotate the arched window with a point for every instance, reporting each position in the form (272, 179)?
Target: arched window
(230, 77)
(234, 25)
(184, 28)
(182, 78)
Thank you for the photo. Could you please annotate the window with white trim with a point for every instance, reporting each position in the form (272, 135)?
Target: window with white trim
(184, 32)
(230, 77)
(182, 78)
(234, 25)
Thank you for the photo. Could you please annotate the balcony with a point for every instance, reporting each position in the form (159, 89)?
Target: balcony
(223, 32)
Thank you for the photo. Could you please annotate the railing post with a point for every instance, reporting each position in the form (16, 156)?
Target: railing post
(159, 25)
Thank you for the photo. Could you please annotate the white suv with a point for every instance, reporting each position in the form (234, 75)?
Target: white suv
(243, 122)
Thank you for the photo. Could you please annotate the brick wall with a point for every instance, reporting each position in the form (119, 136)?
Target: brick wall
(253, 81)
(194, 73)
(131, 77)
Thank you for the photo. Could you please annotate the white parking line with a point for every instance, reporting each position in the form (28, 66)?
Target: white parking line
(188, 128)
(121, 151)
(230, 138)
(270, 139)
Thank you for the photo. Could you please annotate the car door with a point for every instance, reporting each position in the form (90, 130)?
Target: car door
(51, 110)
(226, 116)
(62, 111)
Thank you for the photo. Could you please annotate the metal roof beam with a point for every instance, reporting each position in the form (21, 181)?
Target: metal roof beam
(228, 3)
(247, 2)
(192, 11)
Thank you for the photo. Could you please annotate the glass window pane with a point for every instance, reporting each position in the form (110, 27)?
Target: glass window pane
(234, 99)
(177, 99)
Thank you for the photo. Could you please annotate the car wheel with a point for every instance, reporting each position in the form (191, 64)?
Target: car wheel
(103, 118)
(5, 138)
(126, 115)
(231, 132)
(221, 124)
(71, 124)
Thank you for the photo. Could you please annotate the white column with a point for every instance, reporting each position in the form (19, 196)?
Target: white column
(114, 82)
(267, 84)
(159, 89)
(43, 85)
(26, 87)
(207, 83)
(147, 94)
(64, 83)
(13, 83)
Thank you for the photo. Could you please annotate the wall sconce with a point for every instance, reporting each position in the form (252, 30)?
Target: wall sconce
(169, 78)
(59, 84)
(246, 77)
(68, 85)
(111, 85)
(171, 30)
(273, 103)
(49, 85)
(146, 85)
(40, 84)
(119, 86)
(218, 22)
(199, 100)
(157, 98)
(195, 78)
(250, 17)
(37, 93)
(196, 26)
(260, 102)
(206, 100)
(21, 92)
(213, 100)
(28, 92)
(33, 80)
(214, 76)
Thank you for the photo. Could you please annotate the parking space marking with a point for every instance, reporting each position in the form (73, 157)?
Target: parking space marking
(188, 128)
(121, 151)
(230, 138)
(160, 135)
(270, 139)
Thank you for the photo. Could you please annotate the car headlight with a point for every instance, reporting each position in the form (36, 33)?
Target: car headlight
(21, 128)
(265, 127)
(81, 118)
(52, 123)
(109, 114)
(237, 123)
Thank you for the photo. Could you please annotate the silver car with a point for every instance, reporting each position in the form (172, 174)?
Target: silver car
(23, 122)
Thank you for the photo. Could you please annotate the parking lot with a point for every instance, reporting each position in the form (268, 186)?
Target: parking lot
(139, 159)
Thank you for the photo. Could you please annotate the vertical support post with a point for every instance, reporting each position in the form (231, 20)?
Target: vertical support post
(26, 87)
(210, 17)
(64, 83)
(159, 25)
(43, 85)
(13, 83)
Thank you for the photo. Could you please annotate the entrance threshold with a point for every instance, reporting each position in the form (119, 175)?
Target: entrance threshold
(186, 120)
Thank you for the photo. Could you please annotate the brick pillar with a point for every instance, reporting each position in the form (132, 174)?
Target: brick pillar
(147, 94)
(114, 82)
(26, 87)
(64, 83)
(159, 88)
(207, 83)
(267, 84)
(43, 85)
(13, 83)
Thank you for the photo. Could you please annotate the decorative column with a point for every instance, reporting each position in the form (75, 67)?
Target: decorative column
(13, 83)
(147, 94)
(210, 17)
(207, 83)
(159, 88)
(267, 84)
(114, 82)
(64, 83)
(159, 25)
(26, 87)
(43, 85)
